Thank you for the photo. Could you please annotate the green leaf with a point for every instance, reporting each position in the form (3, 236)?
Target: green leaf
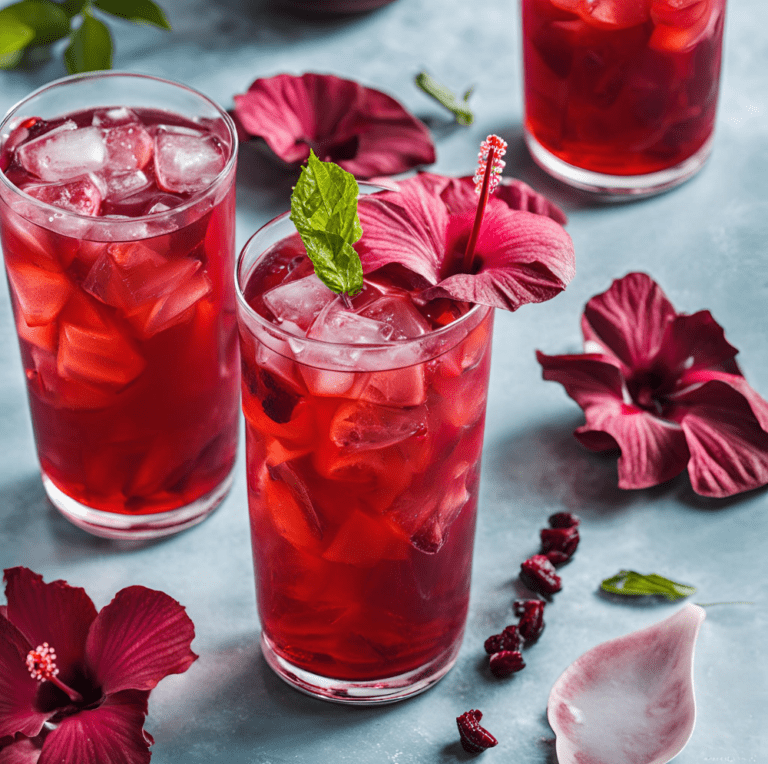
(135, 10)
(47, 20)
(73, 7)
(635, 584)
(15, 35)
(324, 211)
(458, 107)
(90, 48)
(9, 60)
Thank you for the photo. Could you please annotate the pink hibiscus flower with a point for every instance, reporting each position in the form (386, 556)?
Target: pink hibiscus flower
(74, 683)
(522, 254)
(363, 130)
(664, 388)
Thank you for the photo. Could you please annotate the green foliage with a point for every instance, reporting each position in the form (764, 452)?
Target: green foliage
(34, 24)
(630, 583)
(459, 107)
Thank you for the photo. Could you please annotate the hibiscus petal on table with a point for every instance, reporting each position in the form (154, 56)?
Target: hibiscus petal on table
(652, 449)
(363, 130)
(56, 613)
(112, 733)
(520, 258)
(628, 320)
(726, 427)
(137, 639)
(22, 750)
(18, 691)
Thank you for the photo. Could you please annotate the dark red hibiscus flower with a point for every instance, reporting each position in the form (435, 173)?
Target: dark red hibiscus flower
(74, 683)
(522, 253)
(365, 131)
(664, 388)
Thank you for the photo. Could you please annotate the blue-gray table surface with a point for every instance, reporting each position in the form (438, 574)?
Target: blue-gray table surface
(705, 243)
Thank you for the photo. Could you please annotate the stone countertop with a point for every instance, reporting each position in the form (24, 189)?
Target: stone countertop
(705, 243)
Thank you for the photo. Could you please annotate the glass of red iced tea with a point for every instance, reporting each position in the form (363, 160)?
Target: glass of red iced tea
(117, 210)
(364, 430)
(620, 95)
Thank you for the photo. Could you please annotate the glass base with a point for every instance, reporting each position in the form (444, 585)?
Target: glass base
(616, 188)
(365, 693)
(113, 525)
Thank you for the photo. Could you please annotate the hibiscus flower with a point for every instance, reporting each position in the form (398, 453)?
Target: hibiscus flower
(74, 683)
(363, 130)
(664, 388)
(522, 253)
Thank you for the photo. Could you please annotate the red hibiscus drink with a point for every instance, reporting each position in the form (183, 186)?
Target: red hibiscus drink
(117, 214)
(620, 95)
(364, 429)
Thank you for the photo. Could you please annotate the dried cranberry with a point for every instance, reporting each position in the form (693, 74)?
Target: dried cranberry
(564, 520)
(531, 614)
(506, 662)
(539, 575)
(557, 558)
(509, 639)
(474, 738)
(563, 540)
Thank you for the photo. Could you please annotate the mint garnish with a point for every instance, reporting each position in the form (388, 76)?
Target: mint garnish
(458, 107)
(634, 584)
(324, 211)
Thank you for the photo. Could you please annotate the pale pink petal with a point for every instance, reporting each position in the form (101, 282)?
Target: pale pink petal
(110, 734)
(22, 750)
(728, 445)
(56, 613)
(653, 450)
(137, 639)
(363, 130)
(18, 691)
(629, 320)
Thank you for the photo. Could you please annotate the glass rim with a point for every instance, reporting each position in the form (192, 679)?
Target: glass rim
(284, 334)
(104, 74)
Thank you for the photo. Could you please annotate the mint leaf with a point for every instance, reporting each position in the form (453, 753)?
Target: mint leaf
(459, 108)
(324, 211)
(47, 20)
(635, 584)
(14, 34)
(90, 48)
(73, 7)
(135, 10)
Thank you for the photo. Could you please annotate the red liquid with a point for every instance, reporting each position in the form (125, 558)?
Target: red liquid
(363, 495)
(129, 347)
(628, 89)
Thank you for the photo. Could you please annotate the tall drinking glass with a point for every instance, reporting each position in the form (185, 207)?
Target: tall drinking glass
(117, 218)
(620, 95)
(364, 430)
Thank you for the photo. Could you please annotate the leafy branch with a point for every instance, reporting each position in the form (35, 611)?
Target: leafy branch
(28, 26)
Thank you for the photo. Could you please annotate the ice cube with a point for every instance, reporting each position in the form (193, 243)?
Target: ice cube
(64, 152)
(336, 325)
(122, 184)
(82, 195)
(400, 313)
(396, 387)
(129, 147)
(364, 541)
(299, 301)
(40, 294)
(363, 426)
(186, 163)
(119, 115)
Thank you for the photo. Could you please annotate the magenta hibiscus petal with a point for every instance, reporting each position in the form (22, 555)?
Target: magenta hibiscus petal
(520, 257)
(56, 613)
(18, 691)
(139, 638)
(363, 130)
(664, 388)
(19, 751)
(111, 733)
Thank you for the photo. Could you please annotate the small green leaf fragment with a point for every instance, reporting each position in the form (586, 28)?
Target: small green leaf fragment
(631, 583)
(142, 11)
(47, 20)
(90, 48)
(458, 107)
(15, 35)
(324, 211)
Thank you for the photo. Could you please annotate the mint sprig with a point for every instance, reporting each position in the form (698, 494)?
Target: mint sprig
(30, 26)
(631, 583)
(324, 211)
(459, 107)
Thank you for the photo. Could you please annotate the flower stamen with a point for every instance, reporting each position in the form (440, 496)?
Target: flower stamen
(486, 179)
(41, 663)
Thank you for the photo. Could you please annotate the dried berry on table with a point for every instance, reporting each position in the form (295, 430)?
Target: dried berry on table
(509, 639)
(531, 613)
(539, 575)
(564, 520)
(561, 540)
(474, 738)
(506, 662)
